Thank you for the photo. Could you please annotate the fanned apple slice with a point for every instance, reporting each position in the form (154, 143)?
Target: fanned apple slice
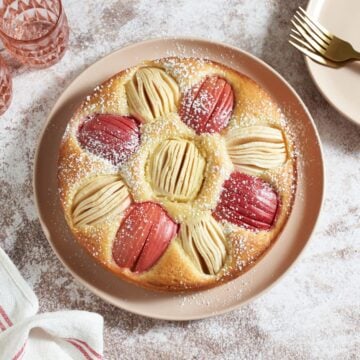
(176, 169)
(112, 137)
(207, 106)
(204, 242)
(247, 201)
(255, 149)
(99, 199)
(143, 236)
(151, 93)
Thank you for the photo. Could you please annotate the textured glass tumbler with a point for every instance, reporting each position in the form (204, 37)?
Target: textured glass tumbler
(5, 86)
(36, 32)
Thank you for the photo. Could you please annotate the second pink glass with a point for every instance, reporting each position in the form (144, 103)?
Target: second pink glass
(5, 86)
(36, 32)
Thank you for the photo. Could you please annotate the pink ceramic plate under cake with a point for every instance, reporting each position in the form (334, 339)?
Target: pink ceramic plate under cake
(283, 246)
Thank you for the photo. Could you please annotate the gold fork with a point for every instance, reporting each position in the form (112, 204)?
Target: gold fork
(315, 41)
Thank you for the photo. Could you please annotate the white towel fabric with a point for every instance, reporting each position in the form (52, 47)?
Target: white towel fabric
(61, 335)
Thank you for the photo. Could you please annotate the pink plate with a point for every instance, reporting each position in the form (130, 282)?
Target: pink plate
(221, 299)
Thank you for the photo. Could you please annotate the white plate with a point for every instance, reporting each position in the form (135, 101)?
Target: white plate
(341, 87)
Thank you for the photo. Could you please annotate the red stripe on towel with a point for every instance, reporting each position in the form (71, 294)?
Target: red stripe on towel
(2, 326)
(20, 353)
(88, 347)
(4, 315)
(80, 348)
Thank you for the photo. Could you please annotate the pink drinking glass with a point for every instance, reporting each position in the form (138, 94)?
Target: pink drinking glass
(5, 86)
(36, 32)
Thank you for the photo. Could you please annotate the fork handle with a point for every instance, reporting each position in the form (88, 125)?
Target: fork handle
(355, 55)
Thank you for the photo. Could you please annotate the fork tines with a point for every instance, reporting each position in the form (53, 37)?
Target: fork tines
(310, 37)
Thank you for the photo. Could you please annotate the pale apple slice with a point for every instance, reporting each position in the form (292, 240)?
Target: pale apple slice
(101, 198)
(255, 149)
(176, 170)
(205, 244)
(151, 93)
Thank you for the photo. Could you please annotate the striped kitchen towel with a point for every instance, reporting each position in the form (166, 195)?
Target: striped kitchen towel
(24, 334)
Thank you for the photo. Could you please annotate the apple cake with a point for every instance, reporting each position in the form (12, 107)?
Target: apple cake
(177, 174)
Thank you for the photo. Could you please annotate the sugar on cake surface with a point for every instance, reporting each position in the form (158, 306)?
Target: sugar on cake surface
(166, 196)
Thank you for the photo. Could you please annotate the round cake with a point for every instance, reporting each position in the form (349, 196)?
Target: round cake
(177, 174)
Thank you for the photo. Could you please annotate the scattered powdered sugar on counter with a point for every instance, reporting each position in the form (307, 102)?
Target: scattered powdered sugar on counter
(313, 312)
(202, 299)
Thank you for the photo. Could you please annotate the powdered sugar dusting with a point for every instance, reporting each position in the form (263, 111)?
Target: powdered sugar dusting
(312, 313)
(168, 156)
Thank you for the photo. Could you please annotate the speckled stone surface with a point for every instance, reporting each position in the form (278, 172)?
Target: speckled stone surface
(314, 312)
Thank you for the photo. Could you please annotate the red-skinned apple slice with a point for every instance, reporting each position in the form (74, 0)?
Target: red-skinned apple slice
(247, 201)
(111, 137)
(207, 106)
(143, 236)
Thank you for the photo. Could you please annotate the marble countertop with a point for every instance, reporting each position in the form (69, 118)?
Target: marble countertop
(314, 312)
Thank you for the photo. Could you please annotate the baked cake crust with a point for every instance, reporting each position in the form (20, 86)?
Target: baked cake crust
(236, 248)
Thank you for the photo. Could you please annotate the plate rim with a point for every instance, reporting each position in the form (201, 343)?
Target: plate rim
(183, 317)
(309, 62)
